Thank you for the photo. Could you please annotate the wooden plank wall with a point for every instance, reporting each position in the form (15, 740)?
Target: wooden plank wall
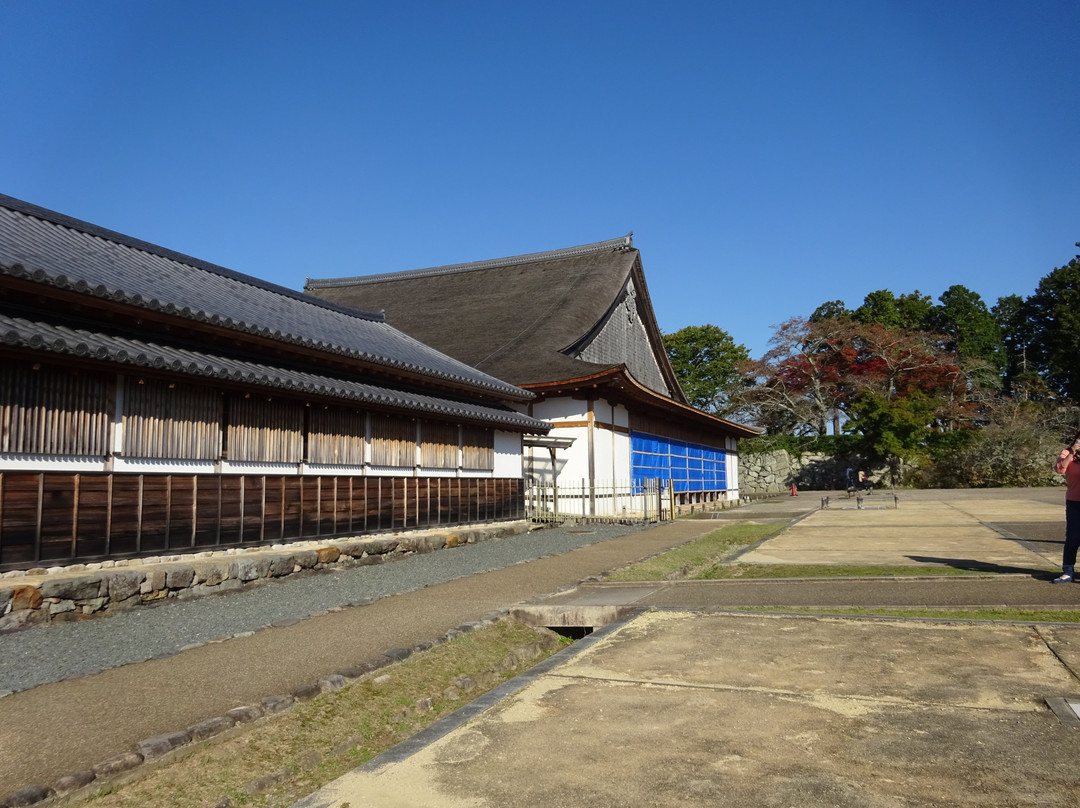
(61, 517)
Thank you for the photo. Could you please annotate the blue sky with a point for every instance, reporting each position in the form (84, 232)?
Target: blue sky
(768, 156)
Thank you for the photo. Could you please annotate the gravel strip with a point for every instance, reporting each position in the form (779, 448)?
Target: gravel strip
(66, 650)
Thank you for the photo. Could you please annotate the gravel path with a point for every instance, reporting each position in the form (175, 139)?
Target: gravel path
(65, 650)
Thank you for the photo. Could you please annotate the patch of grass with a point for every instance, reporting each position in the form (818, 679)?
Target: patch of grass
(278, 760)
(727, 571)
(973, 613)
(701, 554)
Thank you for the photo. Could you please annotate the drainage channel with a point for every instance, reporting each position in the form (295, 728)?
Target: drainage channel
(574, 622)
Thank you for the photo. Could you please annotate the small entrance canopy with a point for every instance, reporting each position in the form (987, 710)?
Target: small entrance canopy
(552, 444)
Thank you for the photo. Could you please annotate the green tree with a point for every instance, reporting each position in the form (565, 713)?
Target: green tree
(831, 310)
(1016, 334)
(969, 326)
(894, 428)
(1053, 315)
(706, 361)
(912, 311)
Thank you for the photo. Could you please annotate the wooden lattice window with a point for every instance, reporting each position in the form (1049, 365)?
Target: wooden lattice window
(438, 445)
(393, 441)
(168, 420)
(49, 410)
(477, 448)
(336, 435)
(266, 431)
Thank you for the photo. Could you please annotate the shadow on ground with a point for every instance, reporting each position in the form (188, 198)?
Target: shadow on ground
(971, 565)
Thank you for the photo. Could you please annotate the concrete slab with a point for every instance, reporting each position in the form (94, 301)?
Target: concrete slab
(683, 709)
(930, 532)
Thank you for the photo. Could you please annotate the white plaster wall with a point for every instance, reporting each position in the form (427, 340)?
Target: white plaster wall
(622, 416)
(508, 457)
(602, 411)
(326, 468)
(622, 456)
(603, 453)
(148, 465)
(251, 467)
(560, 409)
(34, 462)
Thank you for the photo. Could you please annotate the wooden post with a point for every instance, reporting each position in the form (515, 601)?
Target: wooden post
(217, 526)
(168, 510)
(108, 514)
(139, 515)
(194, 507)
(40, 505)
(75, 518)
(262, 512)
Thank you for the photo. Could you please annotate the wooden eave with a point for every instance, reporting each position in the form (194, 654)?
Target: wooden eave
(617, 385)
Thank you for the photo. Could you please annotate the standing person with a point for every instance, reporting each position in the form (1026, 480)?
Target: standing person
(1068, 463)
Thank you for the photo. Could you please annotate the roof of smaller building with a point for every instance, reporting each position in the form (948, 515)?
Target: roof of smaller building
(48, 248)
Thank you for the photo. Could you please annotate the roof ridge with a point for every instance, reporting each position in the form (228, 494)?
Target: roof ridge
(623, 243)
(63, 220)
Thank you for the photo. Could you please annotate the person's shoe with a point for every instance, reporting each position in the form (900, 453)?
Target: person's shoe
(1066, 577)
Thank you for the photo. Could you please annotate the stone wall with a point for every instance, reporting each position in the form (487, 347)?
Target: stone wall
(38, 596)
(774, 472)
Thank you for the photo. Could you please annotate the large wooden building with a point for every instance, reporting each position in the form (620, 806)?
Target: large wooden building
(151, 402)
(577, 328)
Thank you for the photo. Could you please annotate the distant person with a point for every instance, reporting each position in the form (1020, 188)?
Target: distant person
(1068, 463)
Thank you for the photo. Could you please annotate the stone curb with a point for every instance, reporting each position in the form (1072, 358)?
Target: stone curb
(37, 597)
(162, 746)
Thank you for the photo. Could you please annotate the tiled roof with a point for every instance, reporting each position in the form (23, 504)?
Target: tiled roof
(41, 336)
(624, 243)
(510, 317)
(48, 248)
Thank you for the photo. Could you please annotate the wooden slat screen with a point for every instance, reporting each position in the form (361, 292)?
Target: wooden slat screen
(53, 411)
(477, 448)
(266, 431)
(336, 435)
(165, 420)
(393, 441)
(438, 445)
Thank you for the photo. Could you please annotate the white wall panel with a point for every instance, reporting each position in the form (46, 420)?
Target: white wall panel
(508, 455)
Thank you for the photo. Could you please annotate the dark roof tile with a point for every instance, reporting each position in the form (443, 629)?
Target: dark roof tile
(50, 248)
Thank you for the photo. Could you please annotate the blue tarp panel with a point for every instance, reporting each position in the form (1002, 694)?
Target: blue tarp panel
(689, 467)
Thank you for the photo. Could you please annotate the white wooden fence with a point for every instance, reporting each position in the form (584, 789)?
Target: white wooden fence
(599, 501)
